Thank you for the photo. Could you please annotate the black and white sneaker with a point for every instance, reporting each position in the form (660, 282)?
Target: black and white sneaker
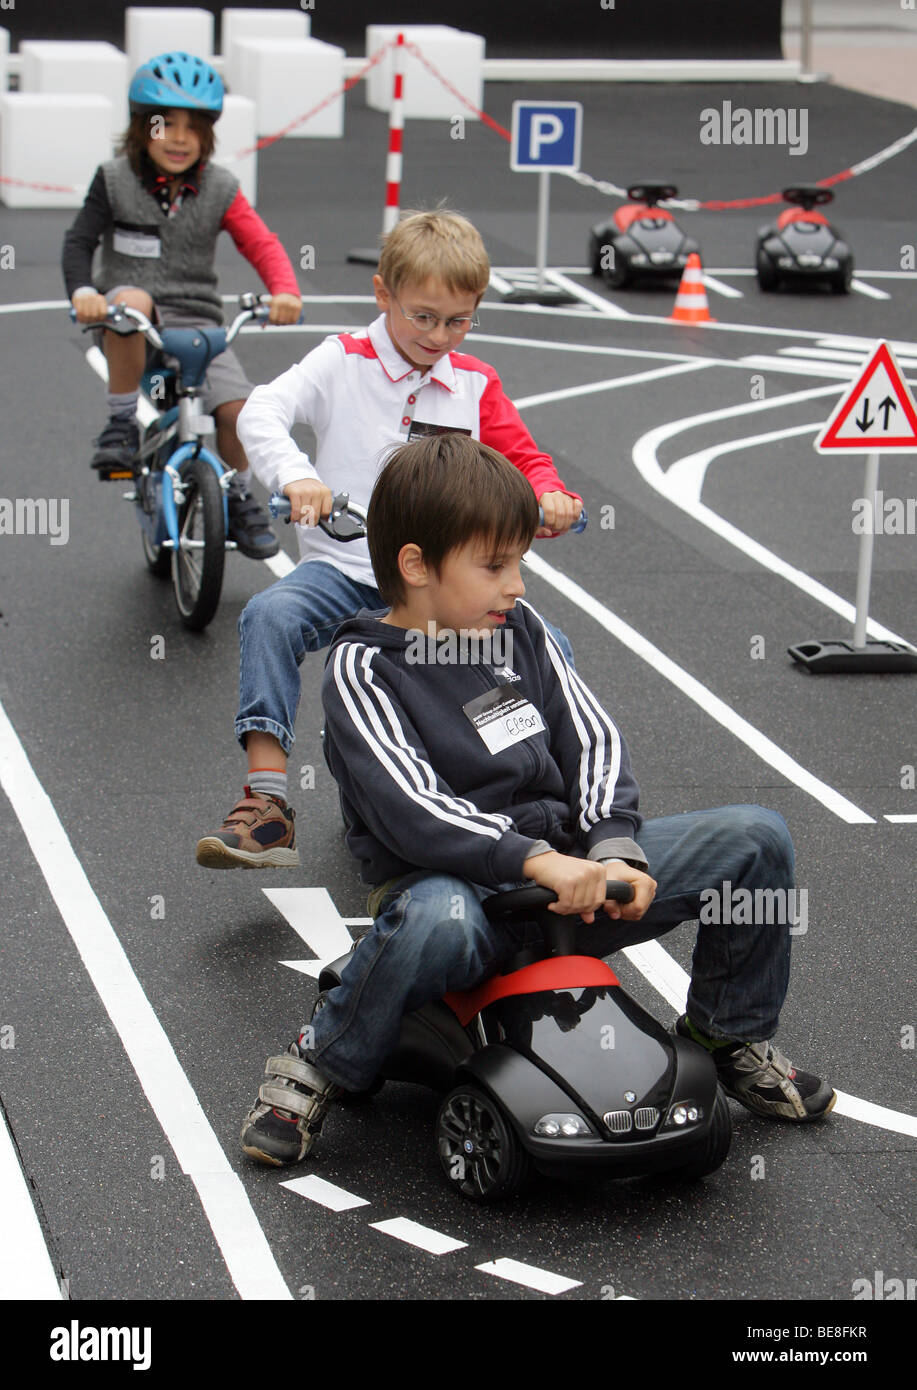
(282, 1125)
(116, 448)
(249, 524)
(759, 1077)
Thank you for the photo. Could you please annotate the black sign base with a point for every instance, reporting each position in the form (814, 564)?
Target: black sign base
(830, 658)
(364, 255)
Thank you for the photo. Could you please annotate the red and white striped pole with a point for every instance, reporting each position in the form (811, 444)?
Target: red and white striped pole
(395, 133)
(393, 160)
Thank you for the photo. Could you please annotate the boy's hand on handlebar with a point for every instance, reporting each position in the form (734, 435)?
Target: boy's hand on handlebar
(90, 308)
(644, 891)
(560, 512)
(310, 500)
(578, 883)
(285, 308)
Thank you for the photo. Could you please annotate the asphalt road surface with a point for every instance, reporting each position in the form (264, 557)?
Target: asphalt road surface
(140, 994)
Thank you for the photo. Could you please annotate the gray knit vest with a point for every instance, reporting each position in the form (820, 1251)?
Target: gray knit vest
(181, 277)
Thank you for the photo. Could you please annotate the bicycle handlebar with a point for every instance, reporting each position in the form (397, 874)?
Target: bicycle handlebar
(280, 506)
(253, 307)
(347, 521)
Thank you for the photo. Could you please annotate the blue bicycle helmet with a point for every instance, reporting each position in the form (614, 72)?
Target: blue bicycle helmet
(177, 79)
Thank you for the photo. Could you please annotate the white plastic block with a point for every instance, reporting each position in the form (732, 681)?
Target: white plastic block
(149, 30)
(235, 132)
(90, 68)
(288, 77)
(457, 55)
(257, 24)
(47, 138)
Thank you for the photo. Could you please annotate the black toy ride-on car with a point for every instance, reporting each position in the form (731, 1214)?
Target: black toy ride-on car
(641, 239)
(551, 1066)
(802, 247)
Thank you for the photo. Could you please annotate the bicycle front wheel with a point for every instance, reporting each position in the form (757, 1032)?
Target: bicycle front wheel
(197, 564)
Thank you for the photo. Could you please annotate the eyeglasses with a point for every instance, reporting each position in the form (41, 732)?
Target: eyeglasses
(426, 323)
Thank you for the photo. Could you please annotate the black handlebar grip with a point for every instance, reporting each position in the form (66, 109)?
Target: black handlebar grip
(499, 906)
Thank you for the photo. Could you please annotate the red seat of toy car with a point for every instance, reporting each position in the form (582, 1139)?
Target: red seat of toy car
(632, 212)
(799, 215)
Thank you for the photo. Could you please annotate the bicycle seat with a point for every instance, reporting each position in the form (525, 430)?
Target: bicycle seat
(194, 349)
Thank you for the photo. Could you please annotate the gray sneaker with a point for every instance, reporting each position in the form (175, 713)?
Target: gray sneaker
(759, 1077)
(282, 1125)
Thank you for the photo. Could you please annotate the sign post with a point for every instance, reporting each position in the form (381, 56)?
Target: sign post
(547, 136)
(877, 414)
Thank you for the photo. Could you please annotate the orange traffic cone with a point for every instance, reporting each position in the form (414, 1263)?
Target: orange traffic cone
(691, 301)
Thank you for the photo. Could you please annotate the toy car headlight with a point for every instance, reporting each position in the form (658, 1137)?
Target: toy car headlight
(638, 258)
(785, 262)
(562, 1127)
(831, 263)
(683, 1114)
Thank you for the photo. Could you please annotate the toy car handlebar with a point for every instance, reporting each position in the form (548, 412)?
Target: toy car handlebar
(536, 899)
(279, 506)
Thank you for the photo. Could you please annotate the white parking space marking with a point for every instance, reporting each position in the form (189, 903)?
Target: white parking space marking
(412, 1233)
(761, 362)
(711, 704)
(862, 287)
(235, 1227)
(903, 820)
(530, 1275)
(313, 917)
(597, 301)
(325, 1193)
(611, 384)
(26, 1271)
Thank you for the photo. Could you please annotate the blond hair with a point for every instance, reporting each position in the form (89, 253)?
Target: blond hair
(442, 245)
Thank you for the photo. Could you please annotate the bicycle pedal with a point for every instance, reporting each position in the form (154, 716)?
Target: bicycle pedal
(114, 476)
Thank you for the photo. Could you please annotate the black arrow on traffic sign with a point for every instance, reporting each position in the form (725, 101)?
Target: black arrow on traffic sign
(865, 423)
(887, 406)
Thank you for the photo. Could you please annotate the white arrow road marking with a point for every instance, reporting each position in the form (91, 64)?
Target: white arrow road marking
(862, 288)
(434, 1242)
(529, 1275)
(26, 1270)
(235, 1227)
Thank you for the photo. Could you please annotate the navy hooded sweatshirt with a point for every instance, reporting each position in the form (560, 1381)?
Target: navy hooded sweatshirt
(457, 761)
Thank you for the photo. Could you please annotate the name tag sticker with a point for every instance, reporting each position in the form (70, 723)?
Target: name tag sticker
(129, 242)
(503, 717)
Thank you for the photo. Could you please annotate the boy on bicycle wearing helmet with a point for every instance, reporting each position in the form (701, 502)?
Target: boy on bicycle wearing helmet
(157, 209)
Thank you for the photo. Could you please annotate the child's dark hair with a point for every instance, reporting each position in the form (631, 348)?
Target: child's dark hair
(135, 139)
(440, 493)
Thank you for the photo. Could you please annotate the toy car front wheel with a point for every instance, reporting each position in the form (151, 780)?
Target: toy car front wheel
(841, 281)
(767, 274)
(618, 273)
(477, 1146)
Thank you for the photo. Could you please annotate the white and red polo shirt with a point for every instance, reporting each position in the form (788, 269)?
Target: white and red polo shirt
(361, 398)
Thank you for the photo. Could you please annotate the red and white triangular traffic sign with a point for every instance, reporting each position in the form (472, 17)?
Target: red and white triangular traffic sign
(876, 415)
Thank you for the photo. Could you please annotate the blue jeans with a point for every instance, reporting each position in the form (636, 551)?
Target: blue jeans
(431, 937)
(298, 614)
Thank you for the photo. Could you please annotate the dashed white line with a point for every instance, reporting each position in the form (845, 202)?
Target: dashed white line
(326, 1194)
(529, 1275)
(412, 1233)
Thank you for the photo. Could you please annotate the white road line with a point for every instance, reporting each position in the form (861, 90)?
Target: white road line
(902, 820)
(611, 384)
(763, 363)
(317, 1189)
(587, 296)
(851, 357)
(238, 1235)
(26, 1271)
(530, 1275)
(682, 481)
(862, 288)
(712, 283)
(314, 918)
(711, 704)
(412, 1233)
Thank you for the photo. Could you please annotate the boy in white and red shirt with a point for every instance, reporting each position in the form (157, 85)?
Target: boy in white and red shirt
(157, 210)
(362, 393)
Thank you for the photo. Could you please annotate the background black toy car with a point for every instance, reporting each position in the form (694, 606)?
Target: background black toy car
(802, 245)
(640, 239)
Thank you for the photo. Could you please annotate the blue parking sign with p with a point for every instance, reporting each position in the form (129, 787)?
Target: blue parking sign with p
(546, 136)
